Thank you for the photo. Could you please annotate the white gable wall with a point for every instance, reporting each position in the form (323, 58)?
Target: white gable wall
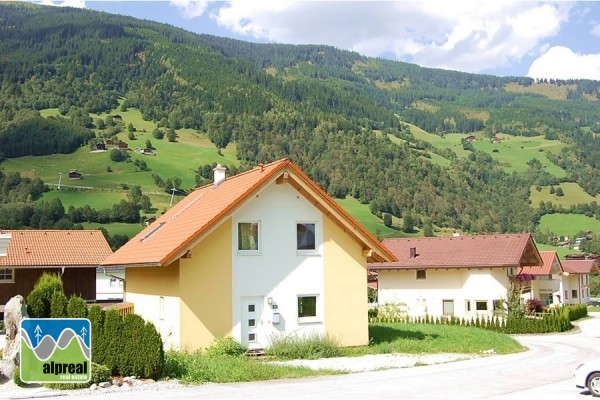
(425, 296)
(277, 271)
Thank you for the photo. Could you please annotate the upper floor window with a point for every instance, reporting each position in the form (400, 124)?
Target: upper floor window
(7, 275)
(305, 236)
(248, 236)
(421, 274)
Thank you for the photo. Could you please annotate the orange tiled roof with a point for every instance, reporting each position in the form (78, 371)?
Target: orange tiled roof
(61, 248)
(589, 266)
(184, 224)
(492, 251)
(548, 258)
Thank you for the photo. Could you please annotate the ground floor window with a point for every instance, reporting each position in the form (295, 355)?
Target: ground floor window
(307, 306)
(448, 307)
(481, 305)
(7, 275)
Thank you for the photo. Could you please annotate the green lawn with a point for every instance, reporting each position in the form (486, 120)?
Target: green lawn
(562, 252)
(568, 224)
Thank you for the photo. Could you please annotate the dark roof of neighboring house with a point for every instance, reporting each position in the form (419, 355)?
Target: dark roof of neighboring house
(589, 266)
(187, 222)
(55, 248)
(548, 258)
(489, 251)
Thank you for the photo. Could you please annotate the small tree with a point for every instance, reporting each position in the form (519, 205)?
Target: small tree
(387, 219)
(40, 299)
(58, 305)
(77, 307)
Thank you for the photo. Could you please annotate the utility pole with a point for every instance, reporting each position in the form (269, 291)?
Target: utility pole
(59, 179)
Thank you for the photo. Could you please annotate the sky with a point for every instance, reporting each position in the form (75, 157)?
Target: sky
(539, 39)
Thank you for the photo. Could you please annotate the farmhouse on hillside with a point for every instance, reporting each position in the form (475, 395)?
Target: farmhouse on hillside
(461, 276)
(260, 255)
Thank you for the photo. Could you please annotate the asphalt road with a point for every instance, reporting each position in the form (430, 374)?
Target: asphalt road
(543, 372)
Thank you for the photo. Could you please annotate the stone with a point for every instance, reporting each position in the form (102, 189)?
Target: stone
(14, 311)
(104, 385)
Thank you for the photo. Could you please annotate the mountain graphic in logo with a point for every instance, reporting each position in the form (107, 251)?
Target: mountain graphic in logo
(56, 350)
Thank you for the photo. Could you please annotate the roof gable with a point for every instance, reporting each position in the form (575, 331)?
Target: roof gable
(60, 248)
(551, 265)
(195, 216)
(589, 266)
(493, 251)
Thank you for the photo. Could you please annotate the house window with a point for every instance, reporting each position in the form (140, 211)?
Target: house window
(248, 236)
(448, 307)
(468, 303)
(7, 275)
(421, 274)
(307, 306)
(566, 294)
(305, 236)
(481, 305)
(114, 282)
(574, 293)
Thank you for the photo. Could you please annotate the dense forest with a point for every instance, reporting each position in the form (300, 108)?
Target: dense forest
(330, 111)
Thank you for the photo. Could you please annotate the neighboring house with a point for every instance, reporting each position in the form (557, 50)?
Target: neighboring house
(73, 254)
(576, 280)
(109, 284)
(546, 284)
(73, 174)
(4, 242)
(265, 253)
(462, 276)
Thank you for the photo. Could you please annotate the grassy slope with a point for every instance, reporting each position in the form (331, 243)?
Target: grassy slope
(573, 194)
(568, 224)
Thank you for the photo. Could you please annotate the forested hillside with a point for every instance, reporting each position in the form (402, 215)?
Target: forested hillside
(344, 118)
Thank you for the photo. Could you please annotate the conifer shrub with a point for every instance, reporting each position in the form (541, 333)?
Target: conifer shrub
(58, 305)
(154, 353)
(100, 373)
(96, 317)
(142, 353)
(39, 299)
(77, 307)
(112, 340)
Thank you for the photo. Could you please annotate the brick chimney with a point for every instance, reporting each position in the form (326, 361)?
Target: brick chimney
(413, 252)
(219, 174)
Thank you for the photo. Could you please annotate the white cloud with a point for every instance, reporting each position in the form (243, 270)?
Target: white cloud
(562, 63)
(595, 30)
(191, 8)
(64, 3)
(467, 35)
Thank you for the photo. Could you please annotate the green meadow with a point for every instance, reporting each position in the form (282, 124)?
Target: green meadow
(568, 224)
(573, 194)
(562, 252)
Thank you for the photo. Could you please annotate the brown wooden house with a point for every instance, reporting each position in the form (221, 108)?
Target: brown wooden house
(74, 255)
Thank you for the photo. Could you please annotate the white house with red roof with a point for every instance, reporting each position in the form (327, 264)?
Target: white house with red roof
(260, 255)
(546, 283)
(576, 279)
(461, 276)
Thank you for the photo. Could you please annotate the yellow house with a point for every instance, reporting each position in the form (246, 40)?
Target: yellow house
(263, 254)
(460, 276)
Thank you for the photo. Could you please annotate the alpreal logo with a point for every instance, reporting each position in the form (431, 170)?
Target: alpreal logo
(56, 350)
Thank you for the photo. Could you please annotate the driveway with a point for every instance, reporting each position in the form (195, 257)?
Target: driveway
(544, 371)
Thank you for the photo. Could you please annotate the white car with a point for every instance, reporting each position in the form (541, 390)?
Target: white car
(587, 376)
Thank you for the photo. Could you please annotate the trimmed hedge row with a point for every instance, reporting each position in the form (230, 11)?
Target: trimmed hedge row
(558, 319)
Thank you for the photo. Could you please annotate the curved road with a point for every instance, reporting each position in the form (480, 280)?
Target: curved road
(543, 372)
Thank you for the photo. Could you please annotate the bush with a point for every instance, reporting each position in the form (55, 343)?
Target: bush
(303, 347)
(77, 307)
(17, 377)
(111, 341)
(58, 305)
(226, 346)
(142, 353)
(40, 299)
(100, 373)
(96, 317)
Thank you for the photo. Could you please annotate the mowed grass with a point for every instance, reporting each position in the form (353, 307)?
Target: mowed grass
(561, 252)
(385, 338)
(573, 194)
(568, 224)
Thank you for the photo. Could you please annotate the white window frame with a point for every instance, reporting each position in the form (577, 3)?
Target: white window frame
(4, 278)
(317, 238)
(478, 302)
(309, 319)
(258, 237)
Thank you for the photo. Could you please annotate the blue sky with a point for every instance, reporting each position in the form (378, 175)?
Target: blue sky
(541, 39)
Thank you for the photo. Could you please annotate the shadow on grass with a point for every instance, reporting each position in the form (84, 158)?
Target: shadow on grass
(386, 334)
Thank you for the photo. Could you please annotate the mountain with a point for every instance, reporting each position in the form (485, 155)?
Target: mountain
(407, 141)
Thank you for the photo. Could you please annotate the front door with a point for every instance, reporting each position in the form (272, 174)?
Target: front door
(251, 322)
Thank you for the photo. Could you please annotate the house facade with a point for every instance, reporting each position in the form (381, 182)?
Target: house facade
(110, 284)
(576, 280)
(546, 283)
(72, 254)
(460, 276)
(261, 255)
